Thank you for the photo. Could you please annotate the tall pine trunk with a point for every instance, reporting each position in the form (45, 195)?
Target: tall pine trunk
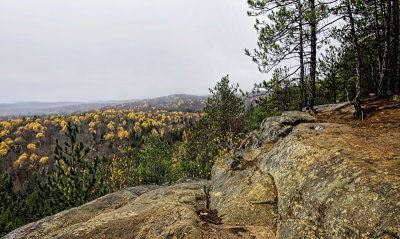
(301, 53)
(378, 45)
(382, 90)
(313, 57)
(357, 104)
(334, 87)
(394, 79)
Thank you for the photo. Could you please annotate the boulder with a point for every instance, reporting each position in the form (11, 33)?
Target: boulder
(395, 98)
(332, 107)
(274, 128)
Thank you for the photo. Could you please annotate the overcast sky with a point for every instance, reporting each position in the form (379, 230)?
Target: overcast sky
(89, 50)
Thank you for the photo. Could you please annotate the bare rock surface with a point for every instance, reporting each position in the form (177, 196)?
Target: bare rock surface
(141, 212)
(332, 185)
(138, 212)
(276, 127)
(323, 180)
(244, 196)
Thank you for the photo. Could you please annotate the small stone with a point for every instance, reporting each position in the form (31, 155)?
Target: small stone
(395, 98)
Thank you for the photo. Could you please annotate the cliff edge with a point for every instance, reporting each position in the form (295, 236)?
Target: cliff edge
(297, 176)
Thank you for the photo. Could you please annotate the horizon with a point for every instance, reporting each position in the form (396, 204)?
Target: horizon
(101, 101)
(117, 50)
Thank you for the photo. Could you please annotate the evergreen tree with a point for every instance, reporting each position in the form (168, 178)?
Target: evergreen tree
(281, 38)
(76, 180)
(154, 164)
(12, 207)
(357, 104)
(218, 131)
(224, 110)
(289, 30)
(280, 96)
(394, 83)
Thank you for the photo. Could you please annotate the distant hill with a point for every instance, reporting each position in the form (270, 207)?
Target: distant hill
(179, 102)
(20, 109)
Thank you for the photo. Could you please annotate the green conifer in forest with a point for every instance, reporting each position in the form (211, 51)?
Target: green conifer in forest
(77, 179)
(12, 207)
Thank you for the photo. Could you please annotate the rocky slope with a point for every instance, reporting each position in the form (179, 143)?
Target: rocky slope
(296, 177)
(138, 212)
(320, 181)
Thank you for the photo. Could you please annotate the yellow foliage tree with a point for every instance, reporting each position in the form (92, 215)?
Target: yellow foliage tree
(184, 136)
(109, 136)
(154, 132)
(3, 148)
(3, 151)
(63, 125)
(131, 115)
(136, 128)
(39, 135)
(31, 146)
(33, 157)
(19, 140)
(16, 122)
(117, 174)
(123, 134)
(92, 124)
(111, 126)
(6, 125)
(43, 160)
(35, 126)
(4, 133)
(9, 141)
(21, 159)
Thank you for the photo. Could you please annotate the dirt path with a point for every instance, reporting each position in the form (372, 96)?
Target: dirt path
(376, 136)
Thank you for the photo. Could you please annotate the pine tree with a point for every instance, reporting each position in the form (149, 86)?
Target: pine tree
(76, 180)
(219, 130)
(281, 38)
(225, 109)
(6, 198)
(12, 206)
(357, 105)
(154, 161)
(281, 97)
(288, 30)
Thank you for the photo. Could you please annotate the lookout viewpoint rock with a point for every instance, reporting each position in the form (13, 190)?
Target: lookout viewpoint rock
(297, 176)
